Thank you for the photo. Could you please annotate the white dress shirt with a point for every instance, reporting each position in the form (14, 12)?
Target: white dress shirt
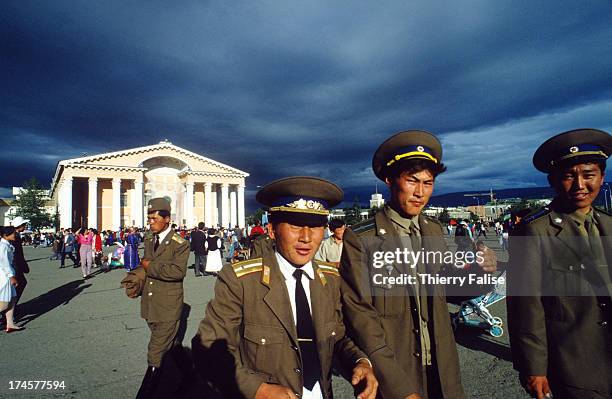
(287, 270)
(163, 234)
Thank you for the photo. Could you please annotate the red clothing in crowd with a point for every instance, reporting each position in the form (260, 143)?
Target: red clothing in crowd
(98, 242)
(257, 231)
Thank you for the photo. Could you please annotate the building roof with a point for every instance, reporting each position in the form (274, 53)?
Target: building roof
(93, 161)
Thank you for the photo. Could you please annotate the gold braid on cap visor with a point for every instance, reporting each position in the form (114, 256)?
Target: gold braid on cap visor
(410, 154)
(302, 206)
(579, 153)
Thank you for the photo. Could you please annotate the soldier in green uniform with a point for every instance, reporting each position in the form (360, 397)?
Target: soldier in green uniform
(262, 244)
(404, 328)
(279, 317)
(165, 263)
(559, 310)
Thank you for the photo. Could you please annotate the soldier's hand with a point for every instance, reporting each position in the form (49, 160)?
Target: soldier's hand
(489, 263)
(272, 391)
(145, 263)
(537, 386)
(14, 282)
(413, 396)
(363, 374)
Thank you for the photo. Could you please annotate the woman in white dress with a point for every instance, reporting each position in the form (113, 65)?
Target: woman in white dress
(213, 247)
(8, 282)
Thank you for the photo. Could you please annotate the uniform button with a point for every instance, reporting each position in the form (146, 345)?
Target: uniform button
(602, 305)
(417, 354)
(263, 341)
(295, 348)
(151, 282)
(582, 266)
(150, 293)
(298, 395)
(333, 333)
(571, 267)
(415, 330)
(297, 370)
(603, 323)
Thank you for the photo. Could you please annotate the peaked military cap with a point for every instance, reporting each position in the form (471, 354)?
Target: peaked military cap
(158, 204)
(403, 146)
(580, 145)
(300, 200)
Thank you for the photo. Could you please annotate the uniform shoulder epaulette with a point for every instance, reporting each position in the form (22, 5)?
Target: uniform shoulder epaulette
(176, 237)
(247, 267)
(328, 267)
(537, 214)
(432, 219)
(364, 226)
(602, 211)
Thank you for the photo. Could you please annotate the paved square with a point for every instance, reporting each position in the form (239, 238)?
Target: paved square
(90, 335)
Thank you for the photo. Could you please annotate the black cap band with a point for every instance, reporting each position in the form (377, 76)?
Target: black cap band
(298, 219)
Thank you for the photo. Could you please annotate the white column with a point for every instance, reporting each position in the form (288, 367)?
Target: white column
(224, 205)
(233, 210)
(241, 218)
(65, 202)
(208, 208)
(116, 203)
(189, 205)
(137, 207)
(92, 204)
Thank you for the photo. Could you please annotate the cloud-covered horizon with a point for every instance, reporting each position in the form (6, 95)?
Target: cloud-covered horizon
(282, 88)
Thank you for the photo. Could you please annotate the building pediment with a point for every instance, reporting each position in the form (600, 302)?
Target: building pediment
(145, 158)
(137, 157)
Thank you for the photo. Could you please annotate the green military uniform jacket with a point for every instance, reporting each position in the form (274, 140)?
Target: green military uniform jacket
(261, 245)
(384, 318)
(251, 315)
(567, 338)
(162, 295)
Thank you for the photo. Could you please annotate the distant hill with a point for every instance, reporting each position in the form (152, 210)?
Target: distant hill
(362, 196)
(458, 198)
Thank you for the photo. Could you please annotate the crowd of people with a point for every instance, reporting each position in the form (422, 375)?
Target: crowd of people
(278, 319)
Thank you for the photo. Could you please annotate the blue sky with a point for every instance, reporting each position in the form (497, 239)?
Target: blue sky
(302, 88)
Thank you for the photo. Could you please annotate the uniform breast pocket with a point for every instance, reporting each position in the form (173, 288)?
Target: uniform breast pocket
(389, 300)
(564, 279)
(263, 346)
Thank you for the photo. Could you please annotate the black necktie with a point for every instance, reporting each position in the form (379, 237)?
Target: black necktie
(156, 245)
(306, 334)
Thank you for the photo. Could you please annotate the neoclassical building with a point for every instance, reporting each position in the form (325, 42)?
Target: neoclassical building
(111, 190)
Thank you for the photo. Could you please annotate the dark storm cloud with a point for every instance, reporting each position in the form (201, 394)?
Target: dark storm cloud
(278, 88)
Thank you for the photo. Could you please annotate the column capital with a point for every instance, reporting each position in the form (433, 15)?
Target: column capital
(93, 180)
(139, 181)
(67, 179)
(207, 184)
(224, 185)
(190, 183)
(116, 180)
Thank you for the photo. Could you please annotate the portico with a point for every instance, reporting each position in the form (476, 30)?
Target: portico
(110, 190)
